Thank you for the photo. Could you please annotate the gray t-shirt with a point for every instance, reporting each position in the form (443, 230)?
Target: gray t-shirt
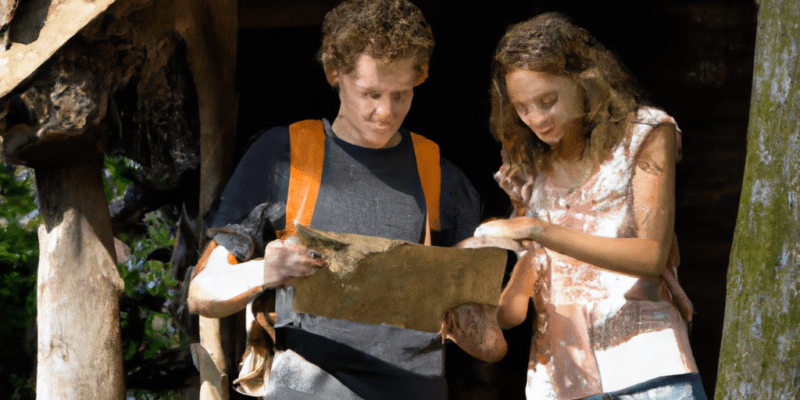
(365, 191)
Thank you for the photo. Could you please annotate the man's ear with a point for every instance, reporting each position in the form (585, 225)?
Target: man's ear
(423, 75)
(332, 75)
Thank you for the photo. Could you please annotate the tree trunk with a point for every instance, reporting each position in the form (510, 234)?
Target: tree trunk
(760, 355)
(80, 354)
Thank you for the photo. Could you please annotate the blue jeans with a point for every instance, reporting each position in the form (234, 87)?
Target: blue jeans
(673, 387)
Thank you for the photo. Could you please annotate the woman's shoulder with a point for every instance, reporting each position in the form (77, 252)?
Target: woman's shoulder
(643, 122)
(651, 116)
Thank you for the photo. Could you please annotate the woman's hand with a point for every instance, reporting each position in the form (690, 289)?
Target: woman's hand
(285, 261)
(519, 228)
(515, 183)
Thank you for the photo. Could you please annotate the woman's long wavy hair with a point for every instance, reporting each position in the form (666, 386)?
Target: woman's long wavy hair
(551, 43)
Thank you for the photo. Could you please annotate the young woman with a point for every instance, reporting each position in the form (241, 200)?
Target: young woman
(591, 172)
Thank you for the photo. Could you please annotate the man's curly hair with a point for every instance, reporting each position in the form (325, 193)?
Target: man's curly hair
(383, 29)
(551, 43)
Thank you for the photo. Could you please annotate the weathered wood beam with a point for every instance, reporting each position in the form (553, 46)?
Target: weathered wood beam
(79, 356)
(63, 19)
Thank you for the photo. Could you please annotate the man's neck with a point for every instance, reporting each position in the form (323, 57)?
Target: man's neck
(347, 132)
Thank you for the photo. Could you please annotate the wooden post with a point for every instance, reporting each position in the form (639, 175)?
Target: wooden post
(79, 349)
(210, 360)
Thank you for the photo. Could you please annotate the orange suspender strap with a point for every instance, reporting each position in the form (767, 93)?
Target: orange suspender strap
(307, 147)
(307, 144)
(430, 176)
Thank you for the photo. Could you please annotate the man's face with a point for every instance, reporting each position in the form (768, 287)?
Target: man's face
(375, 98)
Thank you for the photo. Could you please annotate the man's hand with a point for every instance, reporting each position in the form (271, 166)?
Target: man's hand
(285, 261)
(474, 328)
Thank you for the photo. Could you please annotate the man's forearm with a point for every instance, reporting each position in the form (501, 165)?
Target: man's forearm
(221, 288)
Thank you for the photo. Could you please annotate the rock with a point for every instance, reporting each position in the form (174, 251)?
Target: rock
(51, 24)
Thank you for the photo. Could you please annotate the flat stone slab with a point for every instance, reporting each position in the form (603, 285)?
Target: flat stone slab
(63, 20)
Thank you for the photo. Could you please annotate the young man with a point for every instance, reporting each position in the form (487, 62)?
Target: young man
(362, 174)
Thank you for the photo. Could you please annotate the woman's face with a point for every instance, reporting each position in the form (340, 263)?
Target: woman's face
(551, 105)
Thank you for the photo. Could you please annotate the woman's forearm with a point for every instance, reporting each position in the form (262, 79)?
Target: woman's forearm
(513, 305)
(512, 309)
(634, 256)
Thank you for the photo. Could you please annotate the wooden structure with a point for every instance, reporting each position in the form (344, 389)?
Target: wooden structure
(152, 80)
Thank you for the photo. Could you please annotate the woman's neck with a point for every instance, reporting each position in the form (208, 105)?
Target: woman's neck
(570, 148)
(569, 169)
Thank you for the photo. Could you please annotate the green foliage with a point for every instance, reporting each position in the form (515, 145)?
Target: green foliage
(149, 277)
(25, 387)
(141, 275)
(145, 395)
(19, 253)
(145, 278)
(18, 218)
(119, 173)
(18, 297)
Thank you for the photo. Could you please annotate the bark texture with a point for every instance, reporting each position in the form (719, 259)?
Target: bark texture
(760, 355)
(80, 356)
